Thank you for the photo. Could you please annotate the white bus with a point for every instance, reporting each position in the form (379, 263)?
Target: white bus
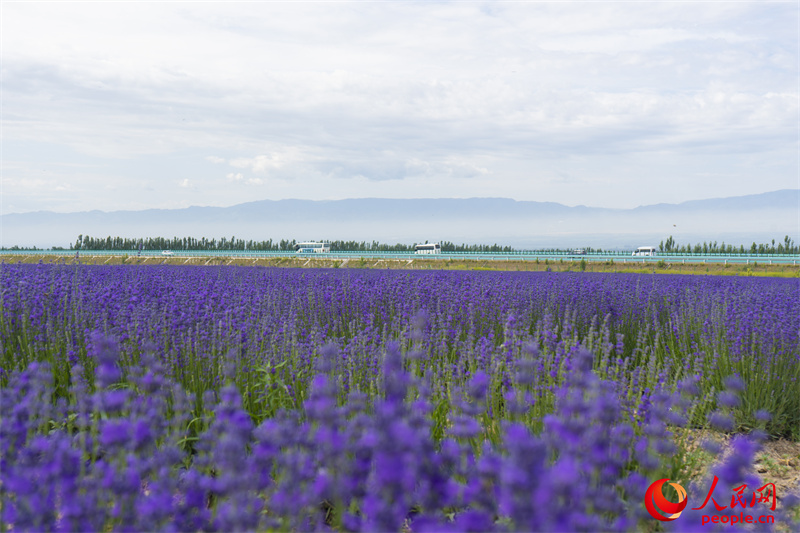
(433, 248)
(645, 251)
(312, 247)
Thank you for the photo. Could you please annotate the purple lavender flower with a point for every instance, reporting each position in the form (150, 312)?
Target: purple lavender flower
(394, 378)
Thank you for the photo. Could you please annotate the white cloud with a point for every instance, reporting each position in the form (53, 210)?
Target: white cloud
(238, 177)
(397, 98)
(184, 182)
(636, 40)
(265, 163)
(12, 185)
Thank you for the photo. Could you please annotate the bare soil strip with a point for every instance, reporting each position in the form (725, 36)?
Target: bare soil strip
(542, 265)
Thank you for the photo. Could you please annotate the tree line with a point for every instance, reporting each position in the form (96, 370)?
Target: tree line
(670, 246)
(788, 246)
(86, 242)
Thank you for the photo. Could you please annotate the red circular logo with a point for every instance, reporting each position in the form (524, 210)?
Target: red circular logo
(657, 504)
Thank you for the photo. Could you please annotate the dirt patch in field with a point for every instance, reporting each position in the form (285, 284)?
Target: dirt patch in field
(541, 265)
(778, 461)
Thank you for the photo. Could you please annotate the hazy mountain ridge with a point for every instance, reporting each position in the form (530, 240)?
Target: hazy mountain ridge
(782, 199)
(471, 220)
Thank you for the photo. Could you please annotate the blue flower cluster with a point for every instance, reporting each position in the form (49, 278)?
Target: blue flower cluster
(648, 332)
(200, 398)
(129, 457)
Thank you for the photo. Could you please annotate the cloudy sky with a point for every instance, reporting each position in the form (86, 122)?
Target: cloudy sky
(128, 105)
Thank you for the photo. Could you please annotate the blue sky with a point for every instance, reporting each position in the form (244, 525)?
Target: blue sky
(126, 105)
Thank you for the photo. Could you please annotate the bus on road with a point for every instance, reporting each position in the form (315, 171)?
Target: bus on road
(312, 248)
(433, 248)
(645, 251)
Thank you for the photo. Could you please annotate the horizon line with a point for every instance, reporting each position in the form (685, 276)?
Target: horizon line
(396, 199)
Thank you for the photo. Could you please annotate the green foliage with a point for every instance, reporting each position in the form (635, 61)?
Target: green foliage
(267, 393)
(787, 247)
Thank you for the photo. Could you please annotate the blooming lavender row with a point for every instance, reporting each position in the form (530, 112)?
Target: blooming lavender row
(130, 457)
(279, 399)
(648, 332)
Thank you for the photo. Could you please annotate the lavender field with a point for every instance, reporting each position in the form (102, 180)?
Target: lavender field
(219, 399)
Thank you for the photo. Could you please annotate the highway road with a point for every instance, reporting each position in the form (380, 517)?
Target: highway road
(617, 257)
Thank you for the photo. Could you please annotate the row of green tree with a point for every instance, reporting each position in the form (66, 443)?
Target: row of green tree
(670, 246)
(788, 246)
(85, 242)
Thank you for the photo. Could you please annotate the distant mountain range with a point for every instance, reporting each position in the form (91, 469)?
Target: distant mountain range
(522, 224)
